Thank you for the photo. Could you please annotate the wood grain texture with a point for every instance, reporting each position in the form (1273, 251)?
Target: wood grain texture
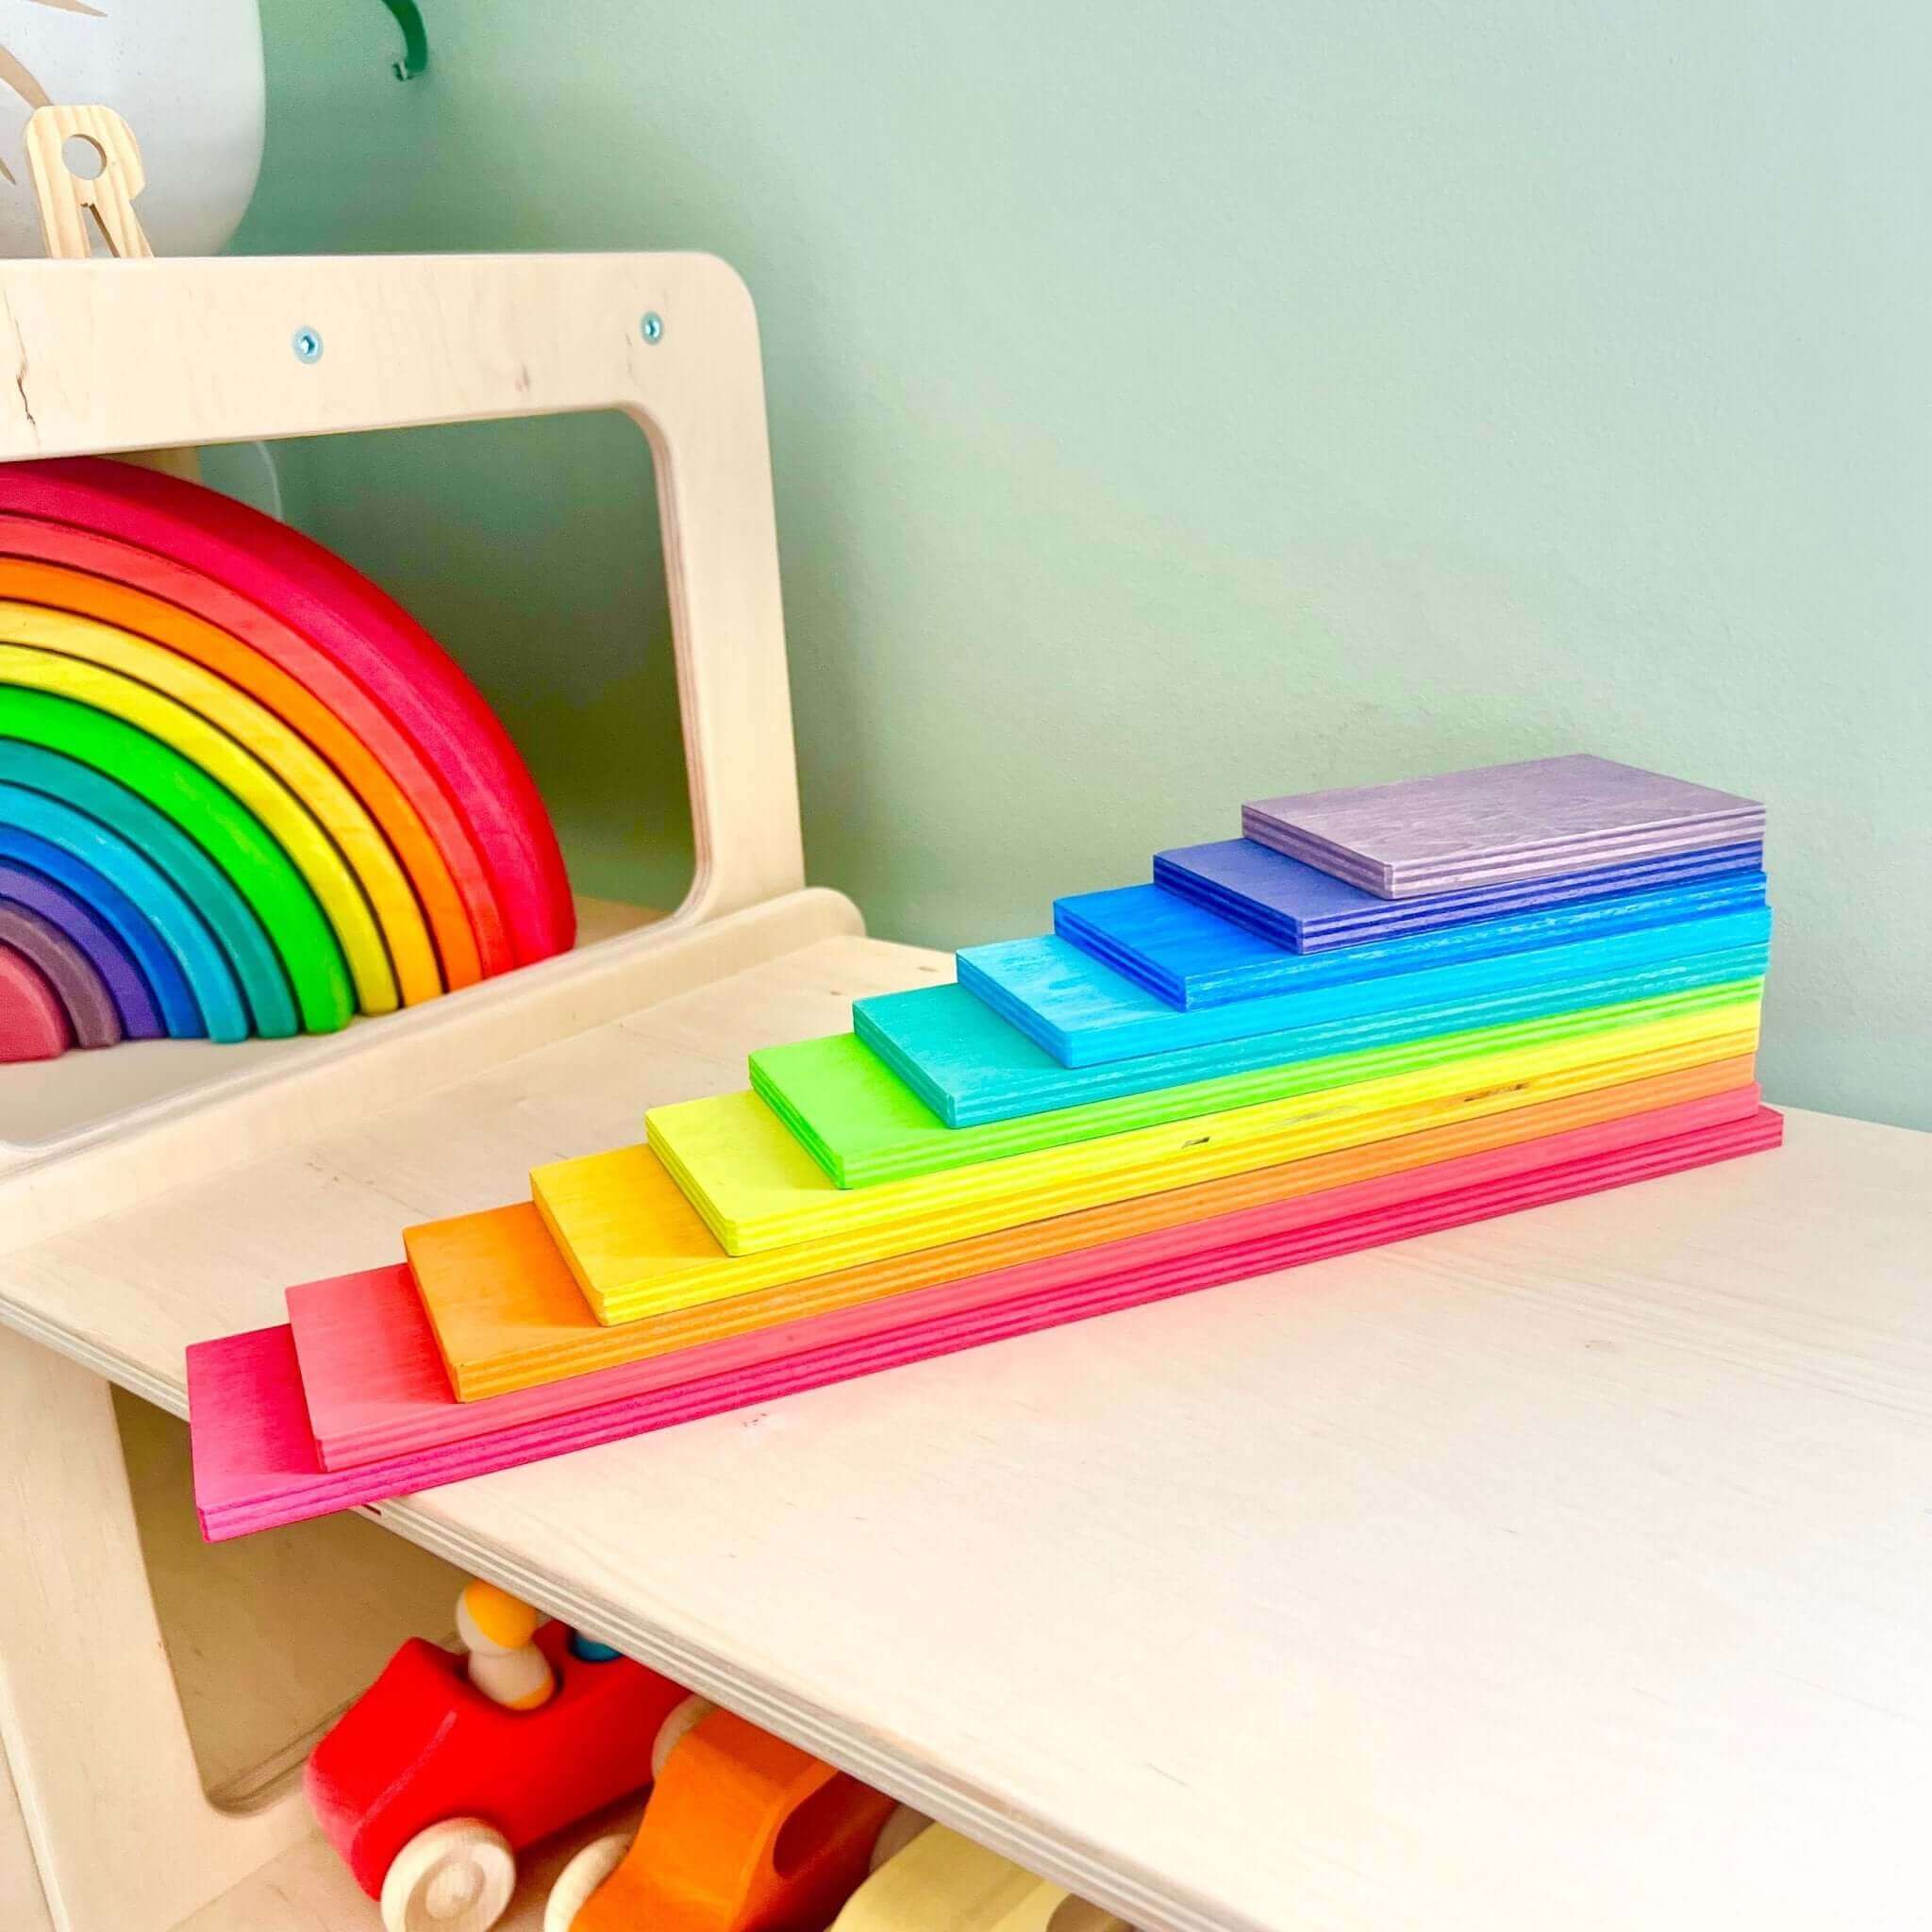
(123, 1836)
(417, 340)
(1309, 911)
(1540, 817)
(1189, 957)
(373, 1376)
(1084, 1014)
(1438, 1530)
(255, 1460)
(120, 974)
(67, 201)
(91, 1016)
(767, 1202)
(957, 1063)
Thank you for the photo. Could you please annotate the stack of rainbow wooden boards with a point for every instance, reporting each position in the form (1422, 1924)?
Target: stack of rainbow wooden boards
(1381, 1012)
(242, 791)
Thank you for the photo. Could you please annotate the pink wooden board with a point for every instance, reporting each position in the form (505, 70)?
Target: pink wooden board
(255, 1458)
(376, 1386)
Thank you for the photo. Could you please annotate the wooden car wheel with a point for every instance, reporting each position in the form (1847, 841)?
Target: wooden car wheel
(455, 1877)
(585, 1873)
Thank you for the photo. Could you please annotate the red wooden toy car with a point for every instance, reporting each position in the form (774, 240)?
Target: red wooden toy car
(427, 1789)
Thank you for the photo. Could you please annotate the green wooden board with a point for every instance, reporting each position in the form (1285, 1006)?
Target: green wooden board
(862, 1125)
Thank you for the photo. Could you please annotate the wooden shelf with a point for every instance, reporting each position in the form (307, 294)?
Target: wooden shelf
(41, 1104)
(1570, 1567)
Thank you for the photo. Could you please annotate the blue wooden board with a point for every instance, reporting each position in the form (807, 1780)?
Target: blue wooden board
(1308, 912)
(1191, 957)
(180, 1014)
(1085, 1013)
(120, 970)
(216, 996)
(965, 1064)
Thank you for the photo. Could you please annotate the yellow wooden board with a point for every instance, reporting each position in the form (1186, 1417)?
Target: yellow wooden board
(256, 730)
(508, 1314)
(757, 1188)
(635, 1251)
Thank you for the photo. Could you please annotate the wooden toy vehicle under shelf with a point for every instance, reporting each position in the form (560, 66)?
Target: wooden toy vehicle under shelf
(428, 1789)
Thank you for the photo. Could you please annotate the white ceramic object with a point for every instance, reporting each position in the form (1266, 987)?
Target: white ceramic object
(186, 76)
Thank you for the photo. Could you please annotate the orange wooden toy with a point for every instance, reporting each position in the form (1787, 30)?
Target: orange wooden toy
(743, 1833)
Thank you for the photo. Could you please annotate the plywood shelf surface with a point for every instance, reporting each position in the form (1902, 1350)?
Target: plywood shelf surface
(1567, 1569)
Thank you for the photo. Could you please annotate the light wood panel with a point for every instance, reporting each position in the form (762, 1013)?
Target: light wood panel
(423, 338)
(1431, 1561)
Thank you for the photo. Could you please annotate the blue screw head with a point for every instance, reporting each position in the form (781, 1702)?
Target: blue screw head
(652, 327)
(308, 345)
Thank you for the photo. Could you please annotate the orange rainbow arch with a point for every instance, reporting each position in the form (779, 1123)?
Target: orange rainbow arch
(250, 728)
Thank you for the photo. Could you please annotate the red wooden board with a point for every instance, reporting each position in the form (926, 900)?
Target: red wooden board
(369, 636)
(255, 1458)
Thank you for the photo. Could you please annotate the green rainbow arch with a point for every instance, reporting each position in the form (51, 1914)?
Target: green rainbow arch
(256, 763)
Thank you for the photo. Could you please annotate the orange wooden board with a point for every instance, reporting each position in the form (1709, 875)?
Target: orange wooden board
(508, 1314)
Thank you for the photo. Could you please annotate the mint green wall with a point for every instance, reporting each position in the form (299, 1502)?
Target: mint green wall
(1174, 404)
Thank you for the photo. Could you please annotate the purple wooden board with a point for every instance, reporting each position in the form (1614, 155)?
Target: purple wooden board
(1309, 911)
(68, 970)
(21, 886)
(1499, 823)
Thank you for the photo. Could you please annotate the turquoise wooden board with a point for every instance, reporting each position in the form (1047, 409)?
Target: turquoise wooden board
(1189, 958)
(848, 1107)
(1085, 1013)
(216, 996)
(964, 1063)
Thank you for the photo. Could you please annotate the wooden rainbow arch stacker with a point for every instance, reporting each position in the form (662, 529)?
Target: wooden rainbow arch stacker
(524, 1217)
